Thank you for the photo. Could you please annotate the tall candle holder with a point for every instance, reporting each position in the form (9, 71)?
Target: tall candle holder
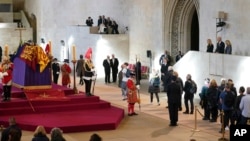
(74, 76)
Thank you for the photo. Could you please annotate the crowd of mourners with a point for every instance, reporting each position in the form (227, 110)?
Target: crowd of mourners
(105, 25)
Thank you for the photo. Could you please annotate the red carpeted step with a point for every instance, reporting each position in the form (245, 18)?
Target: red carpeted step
(72, 113)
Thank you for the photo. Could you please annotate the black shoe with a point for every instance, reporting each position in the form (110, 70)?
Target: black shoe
(173, 124)
(130, 114)
(186, 112)
(180, 109)
(212, 120)
(134, 114)
(192, 112)
(205, 118)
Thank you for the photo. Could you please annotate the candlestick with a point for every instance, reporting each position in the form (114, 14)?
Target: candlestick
(74, 52)
(6, 50)
(50, 48)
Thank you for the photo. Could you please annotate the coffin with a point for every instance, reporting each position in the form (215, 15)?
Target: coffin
(24, 76)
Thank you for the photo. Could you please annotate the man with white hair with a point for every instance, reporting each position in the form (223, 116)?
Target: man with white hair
(168, 78)
(245, 108)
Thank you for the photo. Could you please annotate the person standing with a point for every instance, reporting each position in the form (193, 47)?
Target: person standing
(12, 125)
(220, 46)
(55, 70)
(138, 72)
(56, 134)
(180, 82)
(164, 70)
(154, 86)
(107, 66)
(178, 56)
(132, 94)
(66, 70)
(227, 109)
(1, 53)
(6, 75)
(79, 69)
(125, 76)
(212, 100)
(174, 95)
(114, 66)
(228, 49)
(88, 72)
(203, 97)
(89, 21)
(40, 134)
(237, 111)
(167, 56)
(245, 108)
(188, 96)
(210, 46)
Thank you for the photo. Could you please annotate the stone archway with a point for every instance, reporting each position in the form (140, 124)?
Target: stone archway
(178, 17)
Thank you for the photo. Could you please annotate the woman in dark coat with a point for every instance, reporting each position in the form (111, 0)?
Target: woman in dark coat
(40, 134)
(79, 69)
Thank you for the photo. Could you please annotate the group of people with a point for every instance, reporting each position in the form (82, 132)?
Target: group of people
(84, 70)
(224, 98)
(129, 87)
(221, 47)
(14, 133)
(104, 24)
(110, 67)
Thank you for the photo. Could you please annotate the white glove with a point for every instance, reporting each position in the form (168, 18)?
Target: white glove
(5, 74)
(57, 72)
(138, 87)
(1, 75)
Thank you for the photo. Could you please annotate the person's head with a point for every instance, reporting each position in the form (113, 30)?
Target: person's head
(228, 86)
(228, 43)
(219, 39)
(66, 61)
(241, 90)
(125, 64)
(55, 59)
(95, 137)
(207, 81)
(40, 130)
(166, 52)
(248, 90)
(81, 56)
(12, 121)
(175, 73)
(113, 56)
(213, 83)
(209, 41)
(56, 134)
(174, 78)
(189, 77)
(108, 57)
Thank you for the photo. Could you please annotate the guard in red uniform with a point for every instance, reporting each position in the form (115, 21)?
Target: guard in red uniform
(66, 70)
(132, 94)
(6, 75)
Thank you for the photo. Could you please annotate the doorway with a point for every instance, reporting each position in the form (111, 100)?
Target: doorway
(195, 32)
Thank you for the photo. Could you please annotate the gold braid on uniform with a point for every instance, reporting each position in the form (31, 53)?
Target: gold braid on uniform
(89, 64)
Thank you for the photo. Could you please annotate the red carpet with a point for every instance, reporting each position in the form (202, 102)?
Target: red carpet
(75, 113)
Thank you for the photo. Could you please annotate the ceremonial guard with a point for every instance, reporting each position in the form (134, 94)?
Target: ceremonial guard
(66, 70)
(6, 75)
(88, 72)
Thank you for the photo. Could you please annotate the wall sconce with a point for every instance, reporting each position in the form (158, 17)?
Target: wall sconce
(220, 20)
(42, 41)
(62, 43)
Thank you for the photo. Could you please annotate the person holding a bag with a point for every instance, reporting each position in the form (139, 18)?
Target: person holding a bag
(154, 86)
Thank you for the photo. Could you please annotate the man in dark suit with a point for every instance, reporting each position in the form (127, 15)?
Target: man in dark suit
(174, 94)
(107, 66)
(55, 70)
(114, 62)
(220, 46)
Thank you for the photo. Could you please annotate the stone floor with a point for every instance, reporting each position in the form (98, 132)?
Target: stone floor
(152, 123)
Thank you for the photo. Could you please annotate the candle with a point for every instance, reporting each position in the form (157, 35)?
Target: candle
(50, 48)
(6, 50)
(74, 52)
